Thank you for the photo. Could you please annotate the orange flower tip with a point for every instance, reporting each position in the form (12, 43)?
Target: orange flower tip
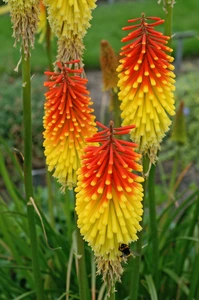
(107, 182)
(152, 66)
(100, 190)
(128, 189)
(123, 198)
(94, 197)
(127, 72)
(171, 67)
(136, 68)
(146, 73)
(93, 183)
(109, 196)
(130, 180)
(119, 188)
(105, 204)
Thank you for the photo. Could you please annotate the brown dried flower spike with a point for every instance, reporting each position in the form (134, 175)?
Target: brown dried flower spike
(24, 17)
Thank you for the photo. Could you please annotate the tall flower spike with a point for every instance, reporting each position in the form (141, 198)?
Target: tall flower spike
(109, 195)
(24, 16)
(67, 122)
(146, 83)
(69, 21)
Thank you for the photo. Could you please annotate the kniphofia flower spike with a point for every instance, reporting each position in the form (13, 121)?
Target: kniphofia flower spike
(146, 83)
(68, 121)
(109, 196)
(69, 21)
(70, 18)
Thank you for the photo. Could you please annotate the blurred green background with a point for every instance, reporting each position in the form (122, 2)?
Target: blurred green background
(107, 23)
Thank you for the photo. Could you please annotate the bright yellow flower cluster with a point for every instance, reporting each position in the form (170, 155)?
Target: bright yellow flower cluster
(69, 18)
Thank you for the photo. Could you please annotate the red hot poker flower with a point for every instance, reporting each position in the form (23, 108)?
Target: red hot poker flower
(109, 195)
(67, 121)
(146, 82)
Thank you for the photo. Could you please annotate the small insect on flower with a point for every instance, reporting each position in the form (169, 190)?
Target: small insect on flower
(126, 251)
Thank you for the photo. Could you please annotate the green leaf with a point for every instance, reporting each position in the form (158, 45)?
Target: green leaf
(151, 287)
(25, 295)
(178, 280)
(193, 239)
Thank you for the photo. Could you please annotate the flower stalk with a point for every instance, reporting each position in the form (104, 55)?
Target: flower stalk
(135, 275)
(81, 269)
(28, 172)
(48, 46)
(168, 19)
(153, 222)
(112, 294)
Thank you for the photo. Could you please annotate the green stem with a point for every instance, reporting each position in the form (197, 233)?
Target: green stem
(112, 294)
(153, 223)
(174, 174)
(168, 18)
(93, 277)
(28, 172)
(48, 46)
(116, 109)
(82, 273)
(50, 199)
(68, 209)
(134, 287)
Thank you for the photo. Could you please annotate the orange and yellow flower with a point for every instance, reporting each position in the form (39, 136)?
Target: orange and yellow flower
(146, 83)
(109, 192)
(68, 121)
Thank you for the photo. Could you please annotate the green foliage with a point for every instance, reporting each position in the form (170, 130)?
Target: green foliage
(11, 114)
(187, 90)
(178, 246)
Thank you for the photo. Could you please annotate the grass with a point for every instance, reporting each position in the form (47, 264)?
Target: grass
(106, 24)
